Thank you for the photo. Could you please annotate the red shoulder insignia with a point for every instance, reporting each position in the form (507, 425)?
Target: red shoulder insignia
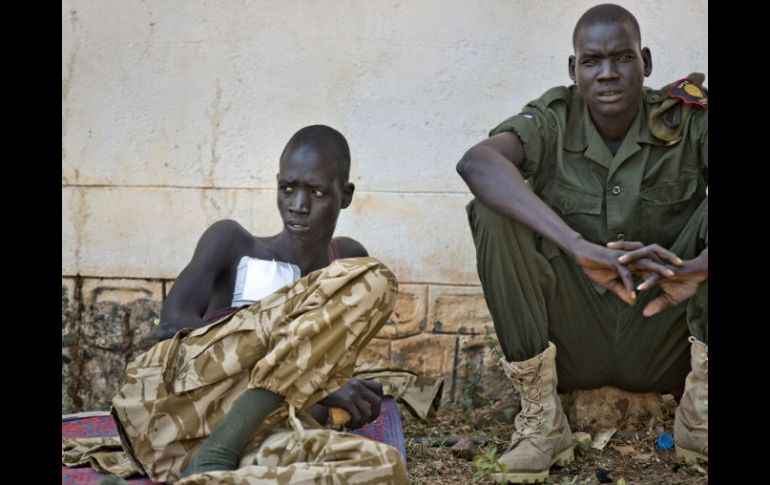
(689, 92)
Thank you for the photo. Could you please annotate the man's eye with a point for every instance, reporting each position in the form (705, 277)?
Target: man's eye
(589, 62)
(624, 58)
(319, 193)
(287, 189)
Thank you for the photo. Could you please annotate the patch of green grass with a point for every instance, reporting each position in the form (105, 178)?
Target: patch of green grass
(488, 464)
(472, 395)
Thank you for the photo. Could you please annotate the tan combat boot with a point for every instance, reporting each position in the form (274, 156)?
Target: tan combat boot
(542, 437)
(691, 426)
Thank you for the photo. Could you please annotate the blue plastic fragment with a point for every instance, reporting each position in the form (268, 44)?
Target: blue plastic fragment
(665, 441)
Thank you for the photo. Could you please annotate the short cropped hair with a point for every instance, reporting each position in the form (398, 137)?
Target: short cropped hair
(606, 13)
(325, 140)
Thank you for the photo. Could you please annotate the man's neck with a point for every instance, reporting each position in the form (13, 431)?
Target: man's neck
(613, 130)
(308, 256)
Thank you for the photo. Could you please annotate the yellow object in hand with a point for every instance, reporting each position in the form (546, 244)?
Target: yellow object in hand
(339, 416)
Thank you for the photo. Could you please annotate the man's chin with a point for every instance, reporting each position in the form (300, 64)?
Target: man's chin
(306, 235)
(608, 111)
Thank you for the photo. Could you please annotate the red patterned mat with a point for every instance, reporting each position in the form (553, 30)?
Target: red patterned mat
(386, 429)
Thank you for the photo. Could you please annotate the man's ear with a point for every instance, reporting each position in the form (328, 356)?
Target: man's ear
(347, 194)
(647, 59)
(571, 68)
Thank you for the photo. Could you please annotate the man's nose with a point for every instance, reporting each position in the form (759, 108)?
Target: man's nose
(607, 70)
(300, 202)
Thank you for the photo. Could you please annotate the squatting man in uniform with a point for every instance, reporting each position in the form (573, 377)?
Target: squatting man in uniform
(602, 254)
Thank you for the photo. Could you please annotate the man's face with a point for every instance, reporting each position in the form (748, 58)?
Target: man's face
(310, 194)
(609, 68)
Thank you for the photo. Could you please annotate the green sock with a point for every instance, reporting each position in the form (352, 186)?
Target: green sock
(222, 450)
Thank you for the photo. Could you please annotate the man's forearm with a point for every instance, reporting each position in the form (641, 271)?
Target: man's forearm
(497, 183)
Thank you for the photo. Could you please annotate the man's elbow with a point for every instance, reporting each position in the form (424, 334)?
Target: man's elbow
(466, 164)
(170, 320)
(166, 314)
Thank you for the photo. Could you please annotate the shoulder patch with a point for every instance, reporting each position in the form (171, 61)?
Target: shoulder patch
(689, 92)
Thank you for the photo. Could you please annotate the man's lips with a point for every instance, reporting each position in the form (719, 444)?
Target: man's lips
(609, 95)
(296, 226)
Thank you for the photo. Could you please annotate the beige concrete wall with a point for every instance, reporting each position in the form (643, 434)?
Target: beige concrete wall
(174, 114)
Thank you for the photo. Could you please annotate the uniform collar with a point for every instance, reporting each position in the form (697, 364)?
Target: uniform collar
(581, 134)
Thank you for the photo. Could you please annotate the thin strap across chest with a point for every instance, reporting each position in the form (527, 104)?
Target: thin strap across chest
(333, 251)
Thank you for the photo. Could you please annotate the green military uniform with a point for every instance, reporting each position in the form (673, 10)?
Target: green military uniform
(652, 190)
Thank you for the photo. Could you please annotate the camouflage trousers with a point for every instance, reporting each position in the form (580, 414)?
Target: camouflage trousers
(300, 342)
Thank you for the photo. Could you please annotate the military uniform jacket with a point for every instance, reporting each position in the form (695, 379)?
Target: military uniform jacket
(647, 191)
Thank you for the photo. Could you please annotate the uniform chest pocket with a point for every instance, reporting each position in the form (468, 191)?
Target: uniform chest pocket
(580, 209)
(666, 209)
(572, 200)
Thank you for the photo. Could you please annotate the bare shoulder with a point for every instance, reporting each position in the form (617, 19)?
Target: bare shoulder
(221, 242)
(207, 276)
(225, 228)
(350, 248)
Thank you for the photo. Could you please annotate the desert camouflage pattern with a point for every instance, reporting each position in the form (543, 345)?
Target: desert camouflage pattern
(300, 342)
(103, 454)
(421, 395)
(318, 457)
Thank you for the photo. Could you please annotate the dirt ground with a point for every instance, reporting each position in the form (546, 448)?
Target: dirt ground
(630, 457)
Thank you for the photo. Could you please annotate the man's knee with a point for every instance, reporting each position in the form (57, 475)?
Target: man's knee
(383, 285)
(490, 228)
(483, 217)
(374, 286)
(384, 276)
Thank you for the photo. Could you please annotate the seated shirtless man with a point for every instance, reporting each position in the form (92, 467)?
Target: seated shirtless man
(220, 399)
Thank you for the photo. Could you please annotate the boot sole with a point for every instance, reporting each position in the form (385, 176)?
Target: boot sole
(563, 458)
(690, 456)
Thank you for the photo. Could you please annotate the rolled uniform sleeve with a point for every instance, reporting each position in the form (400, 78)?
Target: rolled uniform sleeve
(535, 131)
